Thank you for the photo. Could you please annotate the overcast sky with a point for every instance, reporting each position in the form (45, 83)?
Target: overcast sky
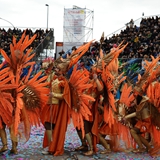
(109, 15)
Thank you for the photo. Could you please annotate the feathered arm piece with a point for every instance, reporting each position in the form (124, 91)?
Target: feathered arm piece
(126, 95)
(153, 92)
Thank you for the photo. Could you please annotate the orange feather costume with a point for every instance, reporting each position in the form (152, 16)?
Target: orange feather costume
(29, 95)
(72, 102)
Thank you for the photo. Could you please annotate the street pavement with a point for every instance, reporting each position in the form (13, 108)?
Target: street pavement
(32, 149)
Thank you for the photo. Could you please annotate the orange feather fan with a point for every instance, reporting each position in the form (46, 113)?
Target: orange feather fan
(80, 101)
(126, 95)
(6, 98)
(31, 94)
(35, 96)
(153, 92)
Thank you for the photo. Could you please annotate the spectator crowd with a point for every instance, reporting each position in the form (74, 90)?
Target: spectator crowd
(143, 40)
(7, 35)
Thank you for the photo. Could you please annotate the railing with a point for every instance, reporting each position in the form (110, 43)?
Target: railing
(136, 22)
(43, 45)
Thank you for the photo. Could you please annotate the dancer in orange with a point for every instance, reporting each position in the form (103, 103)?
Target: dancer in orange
(145, 110)
(55, 115)
(28, 95)
(61, 105)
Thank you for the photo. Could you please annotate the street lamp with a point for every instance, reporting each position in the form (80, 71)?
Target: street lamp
(7, 21)
(47, 14)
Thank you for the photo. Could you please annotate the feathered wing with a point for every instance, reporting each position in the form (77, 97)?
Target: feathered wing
(112, 79)
(30, 97)
(153, 92)
(30, 94)
(80, 101)
(35, 96)
(126, 95)
(6, 98)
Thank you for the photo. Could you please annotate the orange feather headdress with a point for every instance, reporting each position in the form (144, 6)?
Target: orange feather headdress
(108, 58)
(18, 58)
(150, 74)
(66, 64)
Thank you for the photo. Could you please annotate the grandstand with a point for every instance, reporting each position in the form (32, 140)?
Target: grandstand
(143, 36)
(43, 45)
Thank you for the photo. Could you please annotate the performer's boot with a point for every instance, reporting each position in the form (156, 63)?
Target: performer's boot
(137, 139)
(14, 147)
(148, 137)
(104, 143)
(84, 146)
(89, 140)
(49, 137)
(145, 143)
(4, 140)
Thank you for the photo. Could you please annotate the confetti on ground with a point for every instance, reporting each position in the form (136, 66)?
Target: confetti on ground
(32, 149)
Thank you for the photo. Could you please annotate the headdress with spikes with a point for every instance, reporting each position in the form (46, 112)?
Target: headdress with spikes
(108, 58)
(66, 64)
(150, 74)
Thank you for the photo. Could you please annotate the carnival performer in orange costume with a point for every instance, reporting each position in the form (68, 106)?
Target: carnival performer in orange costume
(144, 109)
(94, 92)
(61, 105)
(107, 65)
(55, 115)
(86, 136)
(28, 95)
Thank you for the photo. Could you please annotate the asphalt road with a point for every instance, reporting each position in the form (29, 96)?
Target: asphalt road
(32, 149)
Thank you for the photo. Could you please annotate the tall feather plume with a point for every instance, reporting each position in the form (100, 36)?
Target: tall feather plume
(108, 58)
(126, 95)
(73, 59)
(18, 57)
(149, 76)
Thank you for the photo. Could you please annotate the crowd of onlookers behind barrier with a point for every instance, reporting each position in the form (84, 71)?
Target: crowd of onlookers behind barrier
(143, 40)
(6, 37)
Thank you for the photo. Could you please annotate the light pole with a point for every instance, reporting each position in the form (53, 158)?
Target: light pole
(7, 21)
(47, 14)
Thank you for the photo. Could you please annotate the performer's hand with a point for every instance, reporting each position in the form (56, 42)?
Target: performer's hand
(100, 107)
(119, 118)
(95, 76)
(157, 128)
(143, 128)
(50, 94)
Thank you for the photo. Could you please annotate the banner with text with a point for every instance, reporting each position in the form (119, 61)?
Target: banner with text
(74, 27)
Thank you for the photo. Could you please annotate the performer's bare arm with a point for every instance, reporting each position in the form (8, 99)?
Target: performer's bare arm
(99, 85)
(130, 115)
(57, 95)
